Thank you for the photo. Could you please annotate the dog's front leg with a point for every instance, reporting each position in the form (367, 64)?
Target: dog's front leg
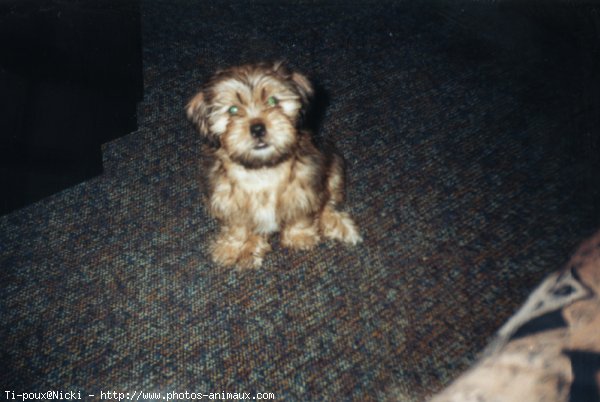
(239, 246)
(301, 234)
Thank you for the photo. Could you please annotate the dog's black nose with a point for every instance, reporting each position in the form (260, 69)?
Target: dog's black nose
(258, 130)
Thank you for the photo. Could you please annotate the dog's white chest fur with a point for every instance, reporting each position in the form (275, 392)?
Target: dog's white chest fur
(260, 188)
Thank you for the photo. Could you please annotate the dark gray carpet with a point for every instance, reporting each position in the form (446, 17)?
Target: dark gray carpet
(471, 149)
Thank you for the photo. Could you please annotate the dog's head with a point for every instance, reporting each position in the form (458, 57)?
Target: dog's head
(252, 112)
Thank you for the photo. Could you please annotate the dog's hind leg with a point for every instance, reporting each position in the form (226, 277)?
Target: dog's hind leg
(334, 224)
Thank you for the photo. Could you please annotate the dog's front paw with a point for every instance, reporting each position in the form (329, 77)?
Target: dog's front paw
(253, 252)
(243, 253)
(300, 236)
(225, 253)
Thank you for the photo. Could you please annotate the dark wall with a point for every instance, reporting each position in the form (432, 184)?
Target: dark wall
(70, 79)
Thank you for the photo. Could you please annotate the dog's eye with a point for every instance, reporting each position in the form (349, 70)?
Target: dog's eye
(272, 101)
(233, 110)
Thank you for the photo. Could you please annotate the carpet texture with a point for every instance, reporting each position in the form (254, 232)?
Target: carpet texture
(470, 162)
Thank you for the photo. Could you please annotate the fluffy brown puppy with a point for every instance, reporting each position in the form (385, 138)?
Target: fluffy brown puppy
(264, 173)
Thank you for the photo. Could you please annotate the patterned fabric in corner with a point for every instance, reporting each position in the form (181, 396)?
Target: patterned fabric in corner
(550, 349)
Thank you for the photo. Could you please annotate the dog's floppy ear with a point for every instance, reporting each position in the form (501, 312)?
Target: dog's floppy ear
(197, 113)
(300, 82)
(303, 86)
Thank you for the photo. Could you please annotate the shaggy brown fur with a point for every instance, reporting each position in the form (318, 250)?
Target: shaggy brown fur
(264, 174)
